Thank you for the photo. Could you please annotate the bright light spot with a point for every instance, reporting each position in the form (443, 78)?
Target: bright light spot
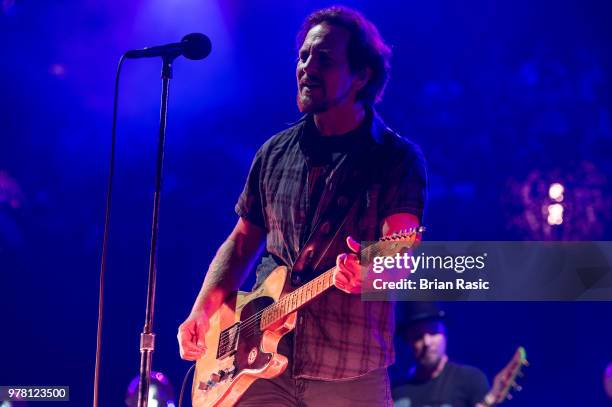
(608, 380)
(555, 214)
(153, 402)
(556, 192)
(58, 70)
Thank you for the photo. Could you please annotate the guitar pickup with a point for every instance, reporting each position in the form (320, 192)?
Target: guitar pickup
(228, 341)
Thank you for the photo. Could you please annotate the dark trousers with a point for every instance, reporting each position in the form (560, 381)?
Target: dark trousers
(369, 390)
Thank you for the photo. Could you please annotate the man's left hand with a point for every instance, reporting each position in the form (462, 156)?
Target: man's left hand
(347, 274)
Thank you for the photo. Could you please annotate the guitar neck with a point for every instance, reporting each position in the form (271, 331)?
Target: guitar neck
(505, 380)
(296, 299)
(299, 297)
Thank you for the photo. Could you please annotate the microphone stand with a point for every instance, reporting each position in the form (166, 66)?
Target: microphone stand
(147, 337)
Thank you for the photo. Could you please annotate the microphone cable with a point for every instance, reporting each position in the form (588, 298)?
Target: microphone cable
(106, 234)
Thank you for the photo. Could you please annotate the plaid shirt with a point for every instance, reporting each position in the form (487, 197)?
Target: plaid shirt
(338, 336)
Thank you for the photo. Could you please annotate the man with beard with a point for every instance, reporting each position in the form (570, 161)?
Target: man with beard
(338, 176)
(434, 381)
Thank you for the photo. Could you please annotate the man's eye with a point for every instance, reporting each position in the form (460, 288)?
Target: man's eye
(325, 60)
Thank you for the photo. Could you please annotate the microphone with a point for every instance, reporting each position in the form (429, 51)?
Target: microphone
(193, 46)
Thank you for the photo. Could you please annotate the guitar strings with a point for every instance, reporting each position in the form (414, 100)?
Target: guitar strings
(248, 326)
(249, 322)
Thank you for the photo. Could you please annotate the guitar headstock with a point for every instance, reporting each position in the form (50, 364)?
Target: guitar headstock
(404, 235)
(391, 244)
(505, 381)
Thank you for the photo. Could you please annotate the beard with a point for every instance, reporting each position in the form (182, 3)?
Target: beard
(308, 104)
(429, 359)
(318, 101)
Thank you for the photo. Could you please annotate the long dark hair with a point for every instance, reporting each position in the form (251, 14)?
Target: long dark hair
(366, 48)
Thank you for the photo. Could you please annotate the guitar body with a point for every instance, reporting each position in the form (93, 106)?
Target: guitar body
(238, 352)
(244, 332)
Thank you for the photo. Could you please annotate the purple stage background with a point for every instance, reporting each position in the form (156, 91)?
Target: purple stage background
(505, 98)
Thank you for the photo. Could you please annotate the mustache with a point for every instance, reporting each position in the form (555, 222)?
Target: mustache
(426, 350)
(310, 80)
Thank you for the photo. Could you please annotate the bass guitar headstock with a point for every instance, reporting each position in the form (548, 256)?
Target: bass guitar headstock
(506, 380)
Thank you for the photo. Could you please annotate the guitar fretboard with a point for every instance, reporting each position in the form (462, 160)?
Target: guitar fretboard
(295, 299)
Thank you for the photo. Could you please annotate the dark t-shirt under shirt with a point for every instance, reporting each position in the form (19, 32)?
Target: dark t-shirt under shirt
(324, 154)
(457, 386)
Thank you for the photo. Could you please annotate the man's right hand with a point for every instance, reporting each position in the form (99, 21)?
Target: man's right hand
(191, 336)
(227, 271)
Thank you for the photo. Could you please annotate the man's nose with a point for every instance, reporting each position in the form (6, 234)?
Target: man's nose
(309, 66)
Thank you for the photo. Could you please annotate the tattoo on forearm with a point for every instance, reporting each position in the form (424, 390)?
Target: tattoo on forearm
(227, 271)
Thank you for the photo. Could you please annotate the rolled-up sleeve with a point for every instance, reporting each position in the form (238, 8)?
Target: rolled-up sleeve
(249, 205)
(405, 183)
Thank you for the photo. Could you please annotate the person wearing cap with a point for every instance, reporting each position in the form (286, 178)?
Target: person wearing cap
(434, 381)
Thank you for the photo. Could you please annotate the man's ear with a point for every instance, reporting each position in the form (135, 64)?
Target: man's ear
(362, 78)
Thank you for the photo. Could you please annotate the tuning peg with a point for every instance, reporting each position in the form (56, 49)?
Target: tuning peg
(516, 386)
(520, 374)
(526, 363)
(509, 396)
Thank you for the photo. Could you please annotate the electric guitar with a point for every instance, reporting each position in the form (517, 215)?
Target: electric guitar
(505, 380)
(244, 332)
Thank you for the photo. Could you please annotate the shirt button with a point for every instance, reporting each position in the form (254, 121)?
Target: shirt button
(310, 253)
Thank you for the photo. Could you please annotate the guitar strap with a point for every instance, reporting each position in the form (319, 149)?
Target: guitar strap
(357, 171)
